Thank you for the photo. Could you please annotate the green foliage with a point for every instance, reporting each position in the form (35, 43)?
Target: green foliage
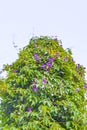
(44, 89)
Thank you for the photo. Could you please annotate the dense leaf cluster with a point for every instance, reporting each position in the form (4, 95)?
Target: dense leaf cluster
(44, 89)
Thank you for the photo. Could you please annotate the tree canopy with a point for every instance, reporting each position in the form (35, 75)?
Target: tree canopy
(44, 89)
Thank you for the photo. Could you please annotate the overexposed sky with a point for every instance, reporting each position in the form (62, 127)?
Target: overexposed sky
(22, 19)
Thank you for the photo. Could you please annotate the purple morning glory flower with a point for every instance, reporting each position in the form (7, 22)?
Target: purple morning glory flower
(49, 64)
(43, 66)
(36, 57)
(51, 59)
(34, 88)
(29, 109)
(56, 53)
(85, 86)
(15, 71)
(77, 89)
(78, 66)
(65, 59)
(60, 45)
(44, 80)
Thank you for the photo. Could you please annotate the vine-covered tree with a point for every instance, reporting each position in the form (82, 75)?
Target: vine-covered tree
(44, 89)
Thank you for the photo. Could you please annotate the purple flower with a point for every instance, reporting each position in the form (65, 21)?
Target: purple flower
(78, 66)
(43, 66)
(51, 59)
(77, 89)
(65, 59)
(29, 109)
(49, 64)
(60, 44)
(36, 57)
(85, 86)
(15, 71)
(44, 81)
(34, 88)
(56, 53)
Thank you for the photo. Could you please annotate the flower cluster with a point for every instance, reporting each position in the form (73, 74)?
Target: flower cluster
(43, 83)
(48, 64)
(43, 66)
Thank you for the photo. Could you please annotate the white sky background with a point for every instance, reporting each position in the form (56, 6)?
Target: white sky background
(21, 19)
